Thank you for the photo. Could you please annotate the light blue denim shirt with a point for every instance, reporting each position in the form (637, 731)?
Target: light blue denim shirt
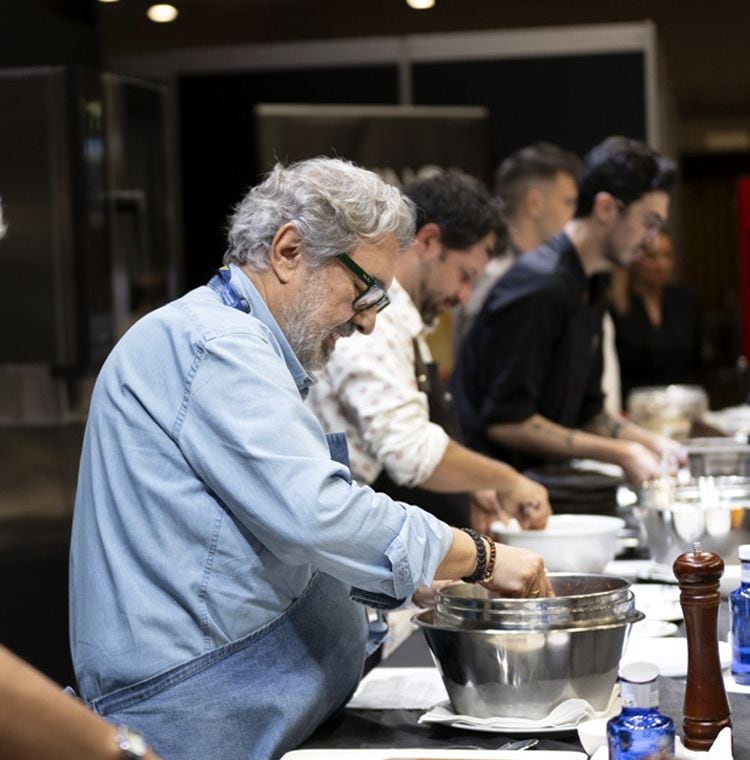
(207, 497)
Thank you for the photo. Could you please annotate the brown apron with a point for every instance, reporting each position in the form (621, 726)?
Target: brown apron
(452, 508)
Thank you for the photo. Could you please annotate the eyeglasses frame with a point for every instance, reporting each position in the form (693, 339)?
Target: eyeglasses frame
(368, 280)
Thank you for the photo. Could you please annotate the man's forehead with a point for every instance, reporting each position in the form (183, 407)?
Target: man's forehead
(656, 202)
(380, 257)
(562, 182)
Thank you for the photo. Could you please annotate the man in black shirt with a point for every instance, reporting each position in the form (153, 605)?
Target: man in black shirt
(527, 382)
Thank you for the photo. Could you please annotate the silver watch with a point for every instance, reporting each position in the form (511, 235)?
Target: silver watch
(131, 743)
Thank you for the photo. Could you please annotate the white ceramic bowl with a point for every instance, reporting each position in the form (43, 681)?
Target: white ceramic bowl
(569, 543)
(593, 734)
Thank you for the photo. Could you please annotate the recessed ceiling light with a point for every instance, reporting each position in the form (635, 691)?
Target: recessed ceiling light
(109, 1)
(420, 5)
(162, 13)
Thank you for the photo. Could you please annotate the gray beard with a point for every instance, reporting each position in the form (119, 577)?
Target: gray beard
(298, 323)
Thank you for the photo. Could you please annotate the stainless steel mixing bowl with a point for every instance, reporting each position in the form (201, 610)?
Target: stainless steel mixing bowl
(712, 510)
(718, 456)
(525, 673)
(581, 600)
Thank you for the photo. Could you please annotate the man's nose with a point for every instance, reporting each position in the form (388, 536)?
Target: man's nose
(364, 321)
(464, 292)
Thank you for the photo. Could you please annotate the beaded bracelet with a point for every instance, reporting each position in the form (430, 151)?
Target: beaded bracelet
(491, 560)
(481, 569)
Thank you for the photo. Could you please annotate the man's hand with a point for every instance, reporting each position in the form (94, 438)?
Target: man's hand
(638, 462)
(527, 501)
(485, 509)
(672, 453)
(519, 572)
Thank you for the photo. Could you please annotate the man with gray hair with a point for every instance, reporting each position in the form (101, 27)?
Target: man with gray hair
(220, 547)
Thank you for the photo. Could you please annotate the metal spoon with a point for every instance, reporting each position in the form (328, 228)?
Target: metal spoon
(520, 744)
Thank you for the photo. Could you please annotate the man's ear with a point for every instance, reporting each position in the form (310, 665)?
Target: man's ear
(430, 238)
(286, 252)
(605, 208)
(533, 201)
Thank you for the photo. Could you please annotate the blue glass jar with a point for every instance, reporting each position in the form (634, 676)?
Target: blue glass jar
(739, 606)
(640, 731)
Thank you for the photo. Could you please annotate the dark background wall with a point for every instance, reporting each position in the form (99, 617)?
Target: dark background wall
(218, 141)
(704, 43)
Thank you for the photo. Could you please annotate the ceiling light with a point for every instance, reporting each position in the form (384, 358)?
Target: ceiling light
(420, 5)
(109, 1)
(162, 13)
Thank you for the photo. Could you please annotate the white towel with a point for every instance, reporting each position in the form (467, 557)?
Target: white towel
(568, 714)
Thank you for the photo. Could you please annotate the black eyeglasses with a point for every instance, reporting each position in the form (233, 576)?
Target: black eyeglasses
(652, 222)
(374, 293)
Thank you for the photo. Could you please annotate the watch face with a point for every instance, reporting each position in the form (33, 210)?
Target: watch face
(131, 743)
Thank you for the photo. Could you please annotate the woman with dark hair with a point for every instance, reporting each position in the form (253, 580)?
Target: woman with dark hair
(657, 322)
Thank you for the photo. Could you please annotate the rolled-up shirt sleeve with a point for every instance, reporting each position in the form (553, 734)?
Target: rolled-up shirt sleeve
(247, 433)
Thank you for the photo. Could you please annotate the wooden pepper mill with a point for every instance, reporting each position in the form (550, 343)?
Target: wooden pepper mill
(705, 710)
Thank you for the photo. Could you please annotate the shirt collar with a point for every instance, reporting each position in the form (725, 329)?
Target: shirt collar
(594, 287)
(259, 309)
(407, 310)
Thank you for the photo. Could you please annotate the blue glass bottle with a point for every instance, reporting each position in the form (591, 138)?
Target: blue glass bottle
(739, 606)
(640, 731)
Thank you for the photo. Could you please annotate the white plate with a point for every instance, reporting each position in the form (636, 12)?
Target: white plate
(526, 731)
(431, 754)
(443, 714)
(653, 571)
(669, 655)
(649, 628)
(658, 601)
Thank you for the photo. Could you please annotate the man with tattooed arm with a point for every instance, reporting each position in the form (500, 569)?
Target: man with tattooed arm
(527, 381)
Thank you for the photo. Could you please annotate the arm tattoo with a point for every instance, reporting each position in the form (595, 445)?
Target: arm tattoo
(606, 425)
(554, 432)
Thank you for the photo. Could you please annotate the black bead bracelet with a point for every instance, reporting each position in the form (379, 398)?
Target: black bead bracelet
(481, 569)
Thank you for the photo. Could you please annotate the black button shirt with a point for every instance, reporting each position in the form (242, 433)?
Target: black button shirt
(534, 348)
(660, 354)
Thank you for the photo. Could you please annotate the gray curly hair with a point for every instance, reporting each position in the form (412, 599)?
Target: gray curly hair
(333, 204)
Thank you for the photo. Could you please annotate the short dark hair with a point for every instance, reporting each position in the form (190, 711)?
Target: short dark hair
(625, 168)
(539, 161)
(459, 204)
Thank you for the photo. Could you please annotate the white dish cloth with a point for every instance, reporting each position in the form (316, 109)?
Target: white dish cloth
(568, 713)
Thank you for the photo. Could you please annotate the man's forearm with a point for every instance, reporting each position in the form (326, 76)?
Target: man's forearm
(462, 469)
(461, 558)
(616, 426)
(606, 424)
(38, 720)
(538, 435)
